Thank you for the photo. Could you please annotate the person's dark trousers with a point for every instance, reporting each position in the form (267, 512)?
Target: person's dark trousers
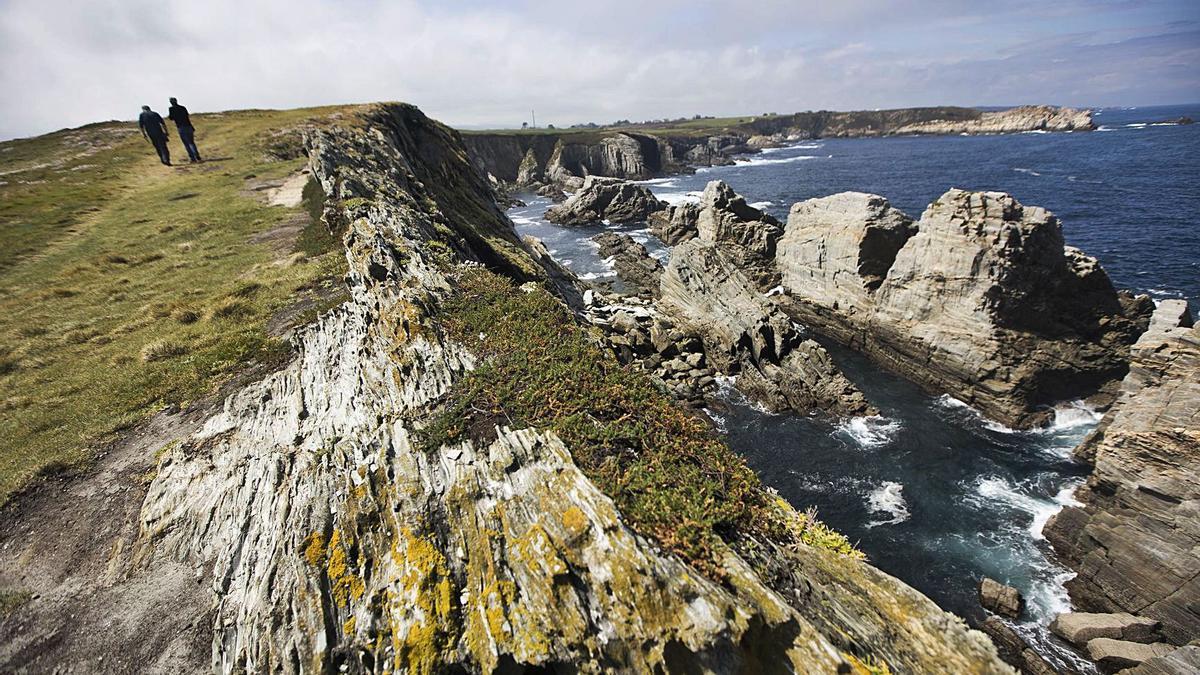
(164, 152)
(188, 136)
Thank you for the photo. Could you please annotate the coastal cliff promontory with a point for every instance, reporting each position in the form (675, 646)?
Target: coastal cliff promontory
(451, 474)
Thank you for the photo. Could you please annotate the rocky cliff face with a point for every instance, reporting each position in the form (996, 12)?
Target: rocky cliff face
(979, 298)
(1135, 541)
(528, 160)
(335, 537)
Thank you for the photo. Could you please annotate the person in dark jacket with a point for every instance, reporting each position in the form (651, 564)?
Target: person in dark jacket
(179, 115)
(154, 129)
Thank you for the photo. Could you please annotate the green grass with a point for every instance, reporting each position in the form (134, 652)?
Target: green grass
(10, 600)
(126, 286)
(669, 474)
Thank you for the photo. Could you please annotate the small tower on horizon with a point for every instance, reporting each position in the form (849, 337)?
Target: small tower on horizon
(533, 120)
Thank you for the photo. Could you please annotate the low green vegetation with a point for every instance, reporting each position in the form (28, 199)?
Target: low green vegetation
(127, 286)
(669, 474)
(10, 600)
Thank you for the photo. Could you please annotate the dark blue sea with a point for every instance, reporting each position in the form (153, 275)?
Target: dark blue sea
(932, 492)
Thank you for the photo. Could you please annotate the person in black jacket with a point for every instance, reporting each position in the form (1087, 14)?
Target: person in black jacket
(179, 115)
(154, 129)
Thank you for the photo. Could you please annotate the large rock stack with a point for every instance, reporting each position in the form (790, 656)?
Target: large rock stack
(605, 199)
(979, 299)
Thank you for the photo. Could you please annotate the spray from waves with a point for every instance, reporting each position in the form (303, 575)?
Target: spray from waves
(1072, 415)
(799, 146)
(762, 205)
(869, 432)
(674, 198)
(888, 498)
(727, 390)
(768, 161)
(991, 490)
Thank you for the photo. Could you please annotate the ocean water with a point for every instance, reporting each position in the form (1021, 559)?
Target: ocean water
(932, 492)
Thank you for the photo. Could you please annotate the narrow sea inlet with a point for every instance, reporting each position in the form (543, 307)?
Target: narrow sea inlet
(932, 492)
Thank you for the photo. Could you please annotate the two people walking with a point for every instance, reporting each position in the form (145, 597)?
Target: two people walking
(154, 129)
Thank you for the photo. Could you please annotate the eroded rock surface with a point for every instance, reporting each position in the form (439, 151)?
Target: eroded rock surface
(676, 223)
(332, 539)
(979, 298)
(635, 267)
(1135, 542)
(605, 199)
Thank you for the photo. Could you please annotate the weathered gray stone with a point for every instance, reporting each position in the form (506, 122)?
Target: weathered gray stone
(600, 199)
(1113, 655)
(1182, 661)
(676, 223)
(1001, 599)
(979, 299)
(1135, 541)
(1079, 628)
(635, 267)
(745, 334)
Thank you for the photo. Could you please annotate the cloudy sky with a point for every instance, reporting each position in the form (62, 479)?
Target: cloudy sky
(472, 63)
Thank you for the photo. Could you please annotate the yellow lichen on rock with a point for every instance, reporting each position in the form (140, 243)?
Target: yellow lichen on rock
(424, 598)
(344, 584)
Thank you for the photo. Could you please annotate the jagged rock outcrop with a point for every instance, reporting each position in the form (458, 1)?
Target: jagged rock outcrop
(1182, 661)
(602, 199)
(1135, 541)
(746, 335)
(621, 155)
(1013, 120)
(979, 299)
(1115, 655)
(676, 223)
(566, 158)
(635, 267)
(745, 234)
(333, 539)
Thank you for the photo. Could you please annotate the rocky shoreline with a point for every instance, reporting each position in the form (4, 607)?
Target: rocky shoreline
(979, 299)
(532, 160)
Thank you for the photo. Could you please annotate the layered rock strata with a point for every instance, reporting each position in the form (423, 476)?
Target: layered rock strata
(333, 540)
(979, 298)
(714, 285)
(531, 159)
(635, 267)
(605, 200)
(1135, 541)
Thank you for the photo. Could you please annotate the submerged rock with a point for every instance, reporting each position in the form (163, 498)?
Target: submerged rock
(1135, 541)
(979, 298)
(605, 199)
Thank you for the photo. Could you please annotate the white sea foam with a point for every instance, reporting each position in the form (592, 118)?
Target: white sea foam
(718, 420)
(761, 205)
(1073, 415)
(949, 402)
(661, 182)
(996, 489)
(1036, 131)
(759, 161)
(1104, 127)
(674, 198)
(870, 432)
(1021, 169)
(1136, 125)
(888, 498)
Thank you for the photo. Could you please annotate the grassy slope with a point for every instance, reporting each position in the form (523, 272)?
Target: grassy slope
(126, 285)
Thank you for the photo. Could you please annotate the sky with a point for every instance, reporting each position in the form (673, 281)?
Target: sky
(479, 64)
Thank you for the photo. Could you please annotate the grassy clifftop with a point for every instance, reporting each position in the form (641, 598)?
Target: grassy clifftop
(126, 286)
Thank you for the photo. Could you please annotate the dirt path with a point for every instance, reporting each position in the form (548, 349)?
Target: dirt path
(67, 543)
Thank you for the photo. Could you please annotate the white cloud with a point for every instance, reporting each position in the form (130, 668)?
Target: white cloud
(471, 63)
